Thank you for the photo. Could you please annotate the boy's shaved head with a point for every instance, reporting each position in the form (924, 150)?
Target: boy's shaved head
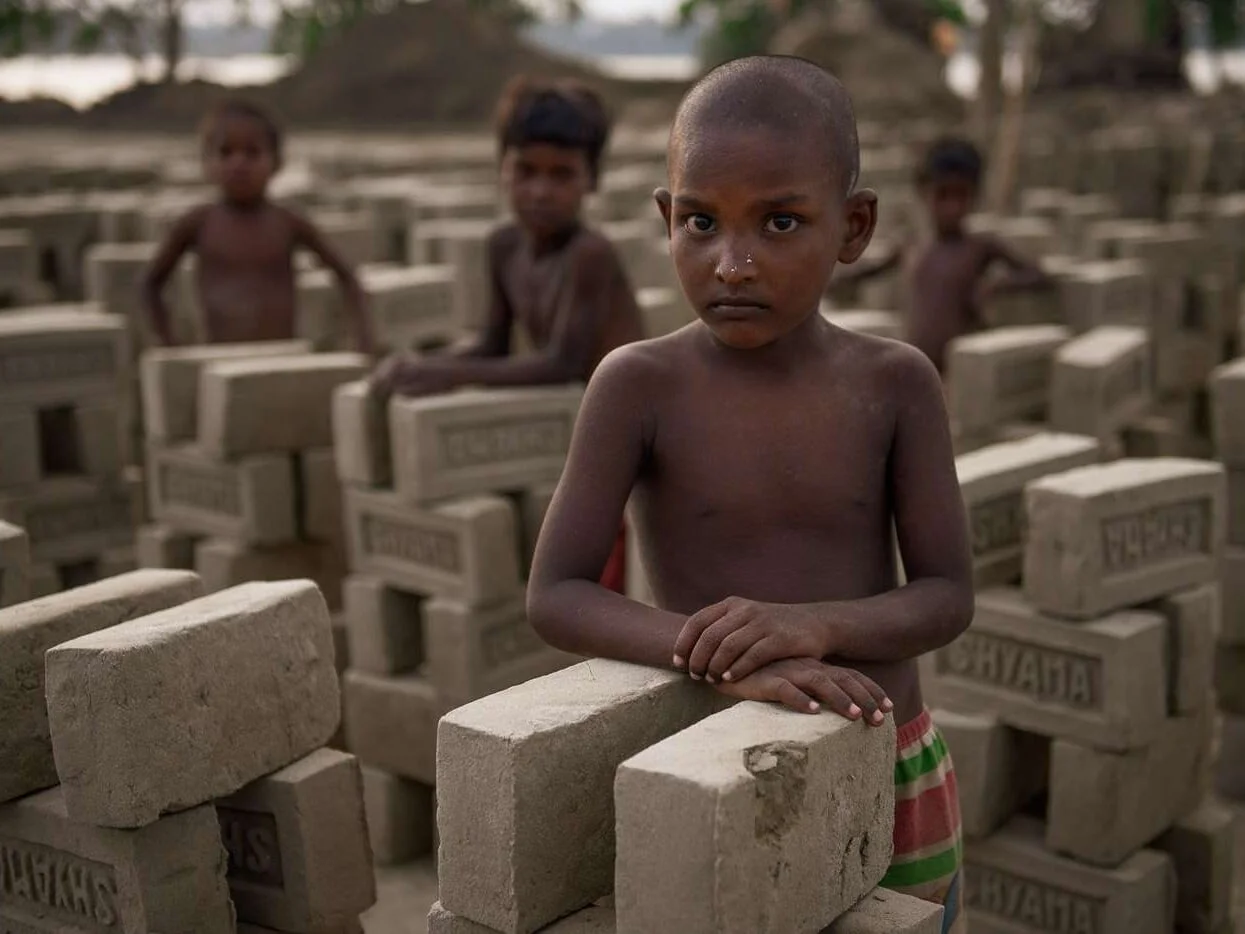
(781, 93)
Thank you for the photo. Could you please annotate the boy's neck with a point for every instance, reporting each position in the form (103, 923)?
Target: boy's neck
(551, 243)
(951, 235)
(798, 343)
(245, 207)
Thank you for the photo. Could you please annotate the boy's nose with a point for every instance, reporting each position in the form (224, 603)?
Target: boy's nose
(735, 267)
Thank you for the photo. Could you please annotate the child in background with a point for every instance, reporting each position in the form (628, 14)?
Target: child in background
(245, 244)
(557, 283)
(770, 454)
(946, 280)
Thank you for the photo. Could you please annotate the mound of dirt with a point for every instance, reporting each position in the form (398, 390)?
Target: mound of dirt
(35, 112)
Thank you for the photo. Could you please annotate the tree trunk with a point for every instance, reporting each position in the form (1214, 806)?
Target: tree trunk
(1121, 50)
(172, 36)
(990, 80)
(1005, 155)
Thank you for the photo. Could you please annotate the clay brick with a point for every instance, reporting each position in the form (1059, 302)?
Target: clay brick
(14, 565)
(182, 706)
(867, 321)
(400, 817)
(1227, 392)
(1012, 884)
(59, 355)
(465, 550)
(1102, 683)
(533, 505)
(525, 787)
(1232, 574)
(1236, 507)
(29, 629)
(1105, 293)
(596, 919)
(753, 820)
(71, 519)
(159, 546)
(992, 482)
(1230, 767)
(1201, 848)
(361, 437)
(1230, 679)
(1163, 436)
(476, 652)
(58, 874)
(885, 912)
(170, 383)
(299, 858)
(271, 405)
(997, 769)
(100, 429)
(44, 580)
(1104, 806)
(391, 723)
(19, 455)
(1192, 627)
(251, 499)
(1116, 535)
(1101, 381)
(223, 563)
(320, 497)
(480, 441)
(384, 626)
(1001, 375)
(410, 305)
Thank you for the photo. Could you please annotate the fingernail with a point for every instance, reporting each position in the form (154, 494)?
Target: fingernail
(709, 678)
(695, 677)
(726, 676)
(678, 661)
(853, 711)
(887, 705)
(877, 717)
(813, 706)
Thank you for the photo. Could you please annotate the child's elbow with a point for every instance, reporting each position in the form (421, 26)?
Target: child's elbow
(541, 614)
(961, 605)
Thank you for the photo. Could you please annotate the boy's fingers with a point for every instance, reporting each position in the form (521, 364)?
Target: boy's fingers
(862, 698)
(707, 644)
(729, 651)
(876, 691)
(757, 656)
(822, 687)
(690, 633)
(789, 695)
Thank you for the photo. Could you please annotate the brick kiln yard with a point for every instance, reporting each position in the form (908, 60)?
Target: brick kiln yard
(156, 503)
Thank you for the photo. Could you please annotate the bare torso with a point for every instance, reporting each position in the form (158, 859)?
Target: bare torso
(245, 274)
(941, 280)
(541, 290)
(772, 485)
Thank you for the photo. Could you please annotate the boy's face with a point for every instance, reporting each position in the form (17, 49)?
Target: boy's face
(547, 185)
(239, 159)
(949, 199)
(757, 222)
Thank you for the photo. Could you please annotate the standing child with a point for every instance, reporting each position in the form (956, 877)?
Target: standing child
(555, 281)
(245, 244)
(769, 453)
(946, 278)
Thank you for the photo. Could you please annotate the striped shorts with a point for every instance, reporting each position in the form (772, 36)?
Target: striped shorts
(929, 845)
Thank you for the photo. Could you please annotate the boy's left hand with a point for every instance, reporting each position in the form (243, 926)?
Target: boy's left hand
(731, 639)
(415, 376)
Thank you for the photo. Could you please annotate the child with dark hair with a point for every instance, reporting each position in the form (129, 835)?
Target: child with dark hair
(245, 244)
(947, 277)
(557, 283)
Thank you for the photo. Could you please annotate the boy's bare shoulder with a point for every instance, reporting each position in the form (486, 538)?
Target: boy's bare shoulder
(646, 368)
(892, 368)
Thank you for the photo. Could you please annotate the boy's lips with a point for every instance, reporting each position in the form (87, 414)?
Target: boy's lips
(734, 309)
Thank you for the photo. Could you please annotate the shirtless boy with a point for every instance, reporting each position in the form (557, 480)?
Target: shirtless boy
(245, 244)
(947, 279)
(769, 452)
(559, 284)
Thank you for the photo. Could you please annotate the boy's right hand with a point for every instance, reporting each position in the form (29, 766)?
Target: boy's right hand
(806, 684)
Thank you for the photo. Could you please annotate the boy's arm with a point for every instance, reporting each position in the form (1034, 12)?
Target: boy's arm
(733, 638)
(567, 359)
(306, 234)
(179, 240)
(1022, 273)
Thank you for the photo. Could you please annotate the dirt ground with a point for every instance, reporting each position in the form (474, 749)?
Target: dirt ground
(407, 892)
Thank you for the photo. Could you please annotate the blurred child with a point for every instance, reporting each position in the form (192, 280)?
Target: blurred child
(245, 244)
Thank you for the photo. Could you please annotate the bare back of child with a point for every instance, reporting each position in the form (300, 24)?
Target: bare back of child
(245, 244)
(769, 452)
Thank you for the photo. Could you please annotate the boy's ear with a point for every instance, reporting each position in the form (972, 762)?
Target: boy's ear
(665, 205)
(860, 215)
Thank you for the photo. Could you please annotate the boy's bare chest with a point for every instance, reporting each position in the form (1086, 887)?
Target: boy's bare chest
(946, 273)
(256, 244)
(535, 293)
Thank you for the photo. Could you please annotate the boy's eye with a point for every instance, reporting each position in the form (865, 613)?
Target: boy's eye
(698, 223)
(781, 223)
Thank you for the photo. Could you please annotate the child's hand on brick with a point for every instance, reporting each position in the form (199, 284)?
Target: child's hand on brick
(806, 685)
(731, 639)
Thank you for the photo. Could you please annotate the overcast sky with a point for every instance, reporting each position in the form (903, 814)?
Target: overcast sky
(629, 9)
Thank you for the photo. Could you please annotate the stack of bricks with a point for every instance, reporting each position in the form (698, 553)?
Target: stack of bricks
(240, 465)
(1078, 705)
(1228, 419)
(617, 799)
(14, 565)
(162, 764)
(64, 406)
(444, 498)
